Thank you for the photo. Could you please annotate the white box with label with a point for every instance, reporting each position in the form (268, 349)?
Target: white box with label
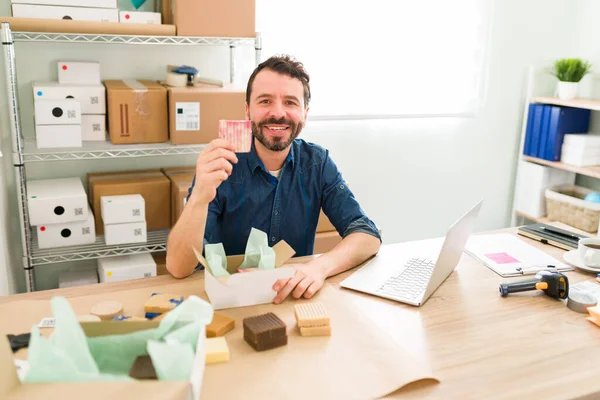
(57, 136)
(55, 201)
(132, 232)
(123, 268)
(91, 97)
(140, 17)
(79, 277)
(70, 13)
(71, 3)
(57, 112)
(122, 209)
(79, 72)
(67, 233)
(93, 128)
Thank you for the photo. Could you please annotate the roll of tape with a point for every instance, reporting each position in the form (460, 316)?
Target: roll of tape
(176, 80)
(579, 301)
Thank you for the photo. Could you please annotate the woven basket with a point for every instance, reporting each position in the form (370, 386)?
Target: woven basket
(565, 204)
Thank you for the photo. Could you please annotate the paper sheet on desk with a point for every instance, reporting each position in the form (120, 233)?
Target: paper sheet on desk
(508, 255)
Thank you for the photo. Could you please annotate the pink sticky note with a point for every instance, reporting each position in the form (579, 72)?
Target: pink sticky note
(502, 258)
(239, 134)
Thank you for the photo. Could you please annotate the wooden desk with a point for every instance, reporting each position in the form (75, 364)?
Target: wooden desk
(480, 346)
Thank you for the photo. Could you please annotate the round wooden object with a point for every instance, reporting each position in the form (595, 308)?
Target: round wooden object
(107, 310)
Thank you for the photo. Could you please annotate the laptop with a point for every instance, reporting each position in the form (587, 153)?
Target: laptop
(420, 271)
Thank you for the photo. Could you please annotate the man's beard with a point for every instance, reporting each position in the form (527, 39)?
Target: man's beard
(278, 144)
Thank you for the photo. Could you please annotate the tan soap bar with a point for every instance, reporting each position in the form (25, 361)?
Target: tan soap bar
(311, 314)
(324, 330)
(217, 350)
(220, 325)
(107, 310)
(162, 302)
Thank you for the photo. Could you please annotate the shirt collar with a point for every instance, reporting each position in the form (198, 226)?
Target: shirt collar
(255, 162)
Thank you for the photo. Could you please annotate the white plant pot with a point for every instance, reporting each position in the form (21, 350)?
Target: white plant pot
(568, 90)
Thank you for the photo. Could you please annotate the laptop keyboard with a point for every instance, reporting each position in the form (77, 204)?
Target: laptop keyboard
(411, 282)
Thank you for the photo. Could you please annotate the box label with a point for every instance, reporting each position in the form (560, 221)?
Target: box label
(187, 116)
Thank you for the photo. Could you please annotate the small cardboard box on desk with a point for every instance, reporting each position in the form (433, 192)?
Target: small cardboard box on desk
(240, 289)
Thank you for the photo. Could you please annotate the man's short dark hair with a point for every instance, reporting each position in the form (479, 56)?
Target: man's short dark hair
(285, 65)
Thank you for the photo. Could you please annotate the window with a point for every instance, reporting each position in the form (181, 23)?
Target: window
(383, 57)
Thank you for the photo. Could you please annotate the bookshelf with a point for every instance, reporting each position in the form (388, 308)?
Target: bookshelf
(539, 83)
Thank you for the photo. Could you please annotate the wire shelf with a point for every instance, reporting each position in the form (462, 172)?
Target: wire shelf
(130, 39)
(103, 150)
(157, 241)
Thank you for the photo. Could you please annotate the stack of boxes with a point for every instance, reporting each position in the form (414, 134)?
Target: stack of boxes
(124, 219)
(581, 150)
(149, 186)
(76, 10)
(73, 109)
(59, 211)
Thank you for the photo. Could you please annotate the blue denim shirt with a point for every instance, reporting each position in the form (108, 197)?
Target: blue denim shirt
(286, 209)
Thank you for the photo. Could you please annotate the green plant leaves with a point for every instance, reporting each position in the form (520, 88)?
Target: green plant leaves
(571, 69)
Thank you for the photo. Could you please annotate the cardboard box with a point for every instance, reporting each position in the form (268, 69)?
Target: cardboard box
(79, 73)
(224, 18)
(247, 288)
(180, 184)
(67, 233)
(195, 112)
(58, 136)
(71, 3)
(324, 224)
(189, 169)
(131, 232)
(140, 17)
(70, 13)
(137, 112)
(12, 388)
(325, 241)
(57, 112)
(80, 277)
(93, 128)
(55, 201)
(161, 263)
(124, 268)
(122, 209)
(154, 187)
(92, 98)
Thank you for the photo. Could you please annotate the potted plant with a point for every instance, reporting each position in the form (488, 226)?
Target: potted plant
(569, 72)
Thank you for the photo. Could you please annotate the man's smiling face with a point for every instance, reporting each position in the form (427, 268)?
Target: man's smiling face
(276, 109)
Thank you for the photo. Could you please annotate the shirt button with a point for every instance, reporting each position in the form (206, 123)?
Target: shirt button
(272, 238)
(276, 212)
(341, 186)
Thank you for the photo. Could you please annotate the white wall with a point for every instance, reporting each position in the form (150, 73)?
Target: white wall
(412, 176)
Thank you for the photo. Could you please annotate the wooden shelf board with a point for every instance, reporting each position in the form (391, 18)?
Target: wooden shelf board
(593, 171)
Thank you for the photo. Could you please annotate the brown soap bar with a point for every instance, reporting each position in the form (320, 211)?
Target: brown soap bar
(265, 331)
(220, 325)
(142, 368)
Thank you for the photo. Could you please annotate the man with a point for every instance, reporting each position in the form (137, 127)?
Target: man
(278, 187)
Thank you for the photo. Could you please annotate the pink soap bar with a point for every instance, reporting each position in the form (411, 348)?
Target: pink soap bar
(239, 134)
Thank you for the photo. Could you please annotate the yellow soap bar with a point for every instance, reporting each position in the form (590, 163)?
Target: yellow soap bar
(217, 350)
(220, 325)
(162, 302)
(594, 312)
(311, 314)
(324, 330)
